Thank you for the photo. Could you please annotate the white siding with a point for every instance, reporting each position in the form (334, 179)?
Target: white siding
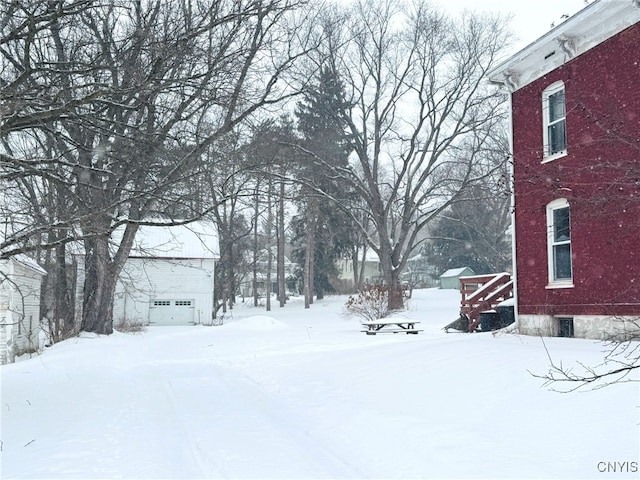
(371, 269)
(19, 309)
(145, 280)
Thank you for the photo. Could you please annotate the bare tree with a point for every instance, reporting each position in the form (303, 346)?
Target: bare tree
(270, 159)
(619, 364)
(473, 230)
(227, 189)
(420, 115)
(25, 101)
(132, 93)
(281, 240)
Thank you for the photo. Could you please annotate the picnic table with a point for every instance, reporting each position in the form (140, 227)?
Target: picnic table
(390, 326)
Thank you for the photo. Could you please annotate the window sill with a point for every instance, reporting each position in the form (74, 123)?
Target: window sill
(555, 156)
(553, 286)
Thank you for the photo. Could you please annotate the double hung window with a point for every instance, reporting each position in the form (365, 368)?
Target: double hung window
(559, 243)
(554, 112)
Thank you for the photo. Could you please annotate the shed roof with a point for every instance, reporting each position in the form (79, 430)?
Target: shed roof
(454, 272)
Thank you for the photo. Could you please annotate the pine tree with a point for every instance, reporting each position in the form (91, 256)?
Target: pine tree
(322, 229)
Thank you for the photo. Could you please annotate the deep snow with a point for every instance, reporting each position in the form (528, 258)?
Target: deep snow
(297, 393)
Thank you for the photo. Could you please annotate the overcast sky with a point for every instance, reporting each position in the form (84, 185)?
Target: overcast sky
(530, 18)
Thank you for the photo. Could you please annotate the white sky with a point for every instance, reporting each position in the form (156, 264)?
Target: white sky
(530, 18)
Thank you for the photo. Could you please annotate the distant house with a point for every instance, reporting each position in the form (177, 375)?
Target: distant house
(20, 282)
(575, 103)
(168, 278)
(369, 269)
(419, 272)
(451, 278)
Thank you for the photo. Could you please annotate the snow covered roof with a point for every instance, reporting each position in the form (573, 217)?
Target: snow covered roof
(371, 256)
(195, 240)
(29, 262)
(454, 272)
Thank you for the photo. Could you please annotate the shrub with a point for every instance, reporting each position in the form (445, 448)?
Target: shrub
(371, 304)
(125, 325)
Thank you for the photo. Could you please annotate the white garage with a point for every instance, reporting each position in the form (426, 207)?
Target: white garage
(169, 276)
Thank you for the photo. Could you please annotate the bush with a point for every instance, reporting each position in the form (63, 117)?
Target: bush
(371, 304)
(125, 325)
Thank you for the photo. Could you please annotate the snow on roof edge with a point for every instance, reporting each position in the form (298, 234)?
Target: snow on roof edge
(454, 272)
(26, 261)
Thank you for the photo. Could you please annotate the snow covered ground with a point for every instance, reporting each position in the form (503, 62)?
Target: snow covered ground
(304, 394)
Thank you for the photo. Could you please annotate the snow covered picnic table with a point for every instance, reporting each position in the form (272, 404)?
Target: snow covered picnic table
(395, 325)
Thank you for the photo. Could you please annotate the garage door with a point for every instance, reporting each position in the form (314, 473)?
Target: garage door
(171, 312)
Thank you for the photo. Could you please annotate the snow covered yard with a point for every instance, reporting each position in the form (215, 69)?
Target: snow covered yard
(304, 394)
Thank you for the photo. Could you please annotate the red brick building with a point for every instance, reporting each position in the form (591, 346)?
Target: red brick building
(575, 105)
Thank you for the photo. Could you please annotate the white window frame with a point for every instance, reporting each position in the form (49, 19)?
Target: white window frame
(546, 123)
(552, 243)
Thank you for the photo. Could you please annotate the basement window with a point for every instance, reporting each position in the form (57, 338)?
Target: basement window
(565, 327)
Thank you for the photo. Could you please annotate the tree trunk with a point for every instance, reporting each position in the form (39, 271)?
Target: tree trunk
(312, 286)
(355, 266)
(307, 268)
(254, 280)
(269, 244)
(231, 281)
(363, 264)
(99, 288)
(63, 294)
(101, 274)
(282, 285)
(391, 277)
(396, 299)
(57, 294)
(309, 254)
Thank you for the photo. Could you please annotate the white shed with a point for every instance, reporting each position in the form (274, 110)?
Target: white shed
(168, 278)
(20, 282)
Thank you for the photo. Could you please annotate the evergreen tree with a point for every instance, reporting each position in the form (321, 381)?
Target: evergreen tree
(322, 230)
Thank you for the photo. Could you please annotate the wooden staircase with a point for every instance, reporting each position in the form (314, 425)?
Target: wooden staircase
(481, 293)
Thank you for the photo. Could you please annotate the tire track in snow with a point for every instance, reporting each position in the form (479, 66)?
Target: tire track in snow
(206, 465)
(277, 412)
(240, 430)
